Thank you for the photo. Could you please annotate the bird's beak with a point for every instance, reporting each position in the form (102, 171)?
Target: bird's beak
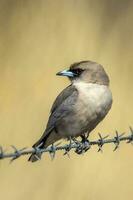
(66, 73)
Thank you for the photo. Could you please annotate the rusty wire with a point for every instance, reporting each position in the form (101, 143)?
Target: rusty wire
(78, 146)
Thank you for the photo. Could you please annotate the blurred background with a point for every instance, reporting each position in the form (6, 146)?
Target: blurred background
(38, 39)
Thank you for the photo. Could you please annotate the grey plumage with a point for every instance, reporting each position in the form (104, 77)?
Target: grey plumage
(80, 106)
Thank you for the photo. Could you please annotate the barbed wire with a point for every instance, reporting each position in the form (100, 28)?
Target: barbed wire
(78, 146)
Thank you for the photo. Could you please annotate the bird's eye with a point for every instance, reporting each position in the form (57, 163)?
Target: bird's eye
(77, 71)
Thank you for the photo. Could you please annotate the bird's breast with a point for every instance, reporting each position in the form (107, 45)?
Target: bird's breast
(94, 101)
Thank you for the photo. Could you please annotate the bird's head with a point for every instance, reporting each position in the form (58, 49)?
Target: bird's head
(86, 71)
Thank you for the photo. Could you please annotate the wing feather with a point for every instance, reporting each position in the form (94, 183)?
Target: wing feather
(62, 106)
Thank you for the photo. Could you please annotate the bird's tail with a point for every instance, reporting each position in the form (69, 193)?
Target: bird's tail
(40, 144)
(36, 156)
(46, 140)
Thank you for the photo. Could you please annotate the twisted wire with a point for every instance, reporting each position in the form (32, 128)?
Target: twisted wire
(78, 146)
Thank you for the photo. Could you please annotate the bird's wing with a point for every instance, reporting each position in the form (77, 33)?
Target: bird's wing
(62, 106)
(62, 96)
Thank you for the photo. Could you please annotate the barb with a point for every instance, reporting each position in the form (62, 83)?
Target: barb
(79, 146)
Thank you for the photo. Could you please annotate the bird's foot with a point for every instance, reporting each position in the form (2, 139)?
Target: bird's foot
(84, 145)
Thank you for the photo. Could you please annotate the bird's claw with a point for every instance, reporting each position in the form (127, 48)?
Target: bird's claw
(84, 146)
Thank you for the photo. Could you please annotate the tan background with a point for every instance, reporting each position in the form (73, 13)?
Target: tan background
(37, 39)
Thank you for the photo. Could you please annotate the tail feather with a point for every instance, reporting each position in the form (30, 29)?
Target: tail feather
(35, 157)
(44, 142)
(40, 144)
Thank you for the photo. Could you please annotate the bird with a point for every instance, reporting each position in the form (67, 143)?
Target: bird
(80, 107)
